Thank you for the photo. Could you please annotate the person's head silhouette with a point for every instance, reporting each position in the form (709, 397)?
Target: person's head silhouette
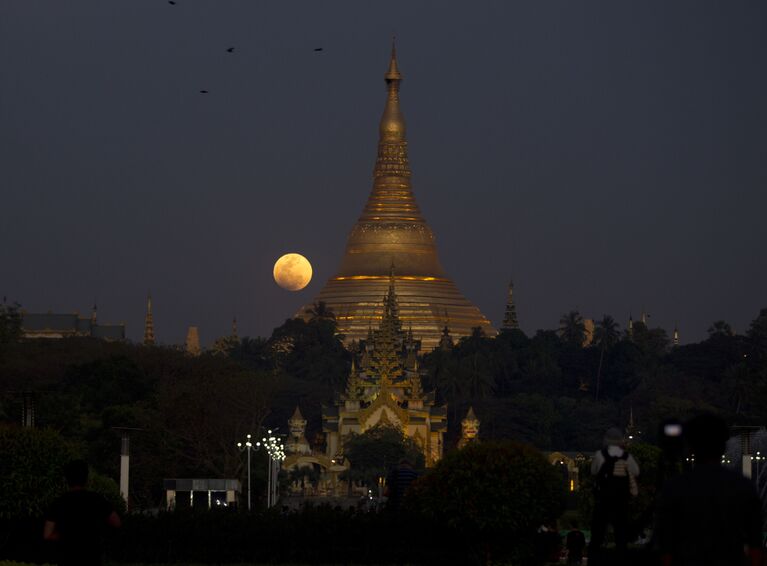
(76, 473)
(706, 437)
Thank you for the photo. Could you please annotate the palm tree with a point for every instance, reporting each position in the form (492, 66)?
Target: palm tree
(572, 329)
(605, 334)
(737, 378)
(720, 328)
(320, 311)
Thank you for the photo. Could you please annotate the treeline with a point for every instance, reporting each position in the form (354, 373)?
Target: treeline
(548, 390)
(552, 391)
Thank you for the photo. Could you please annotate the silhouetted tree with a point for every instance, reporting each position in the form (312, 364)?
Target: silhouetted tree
(572, 329)
(320, 311)
(372, 453)
(720, 327)
(605, 335)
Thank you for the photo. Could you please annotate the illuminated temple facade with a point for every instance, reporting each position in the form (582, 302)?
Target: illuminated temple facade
(392, 232)
(383, 389)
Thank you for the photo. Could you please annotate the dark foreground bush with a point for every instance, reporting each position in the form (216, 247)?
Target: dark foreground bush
(315, 535)
(492, 497)
(479, 504)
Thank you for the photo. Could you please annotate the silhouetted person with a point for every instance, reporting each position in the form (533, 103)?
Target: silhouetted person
(709, 514)
(576, 543)
(611, 467)
(77, 518)
(398, 482)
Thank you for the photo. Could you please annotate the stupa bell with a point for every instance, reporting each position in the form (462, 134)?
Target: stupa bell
(391, 235)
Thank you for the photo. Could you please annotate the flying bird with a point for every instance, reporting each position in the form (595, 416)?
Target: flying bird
(172, 2)
(203, 92)
(230, 50)
(318, 48)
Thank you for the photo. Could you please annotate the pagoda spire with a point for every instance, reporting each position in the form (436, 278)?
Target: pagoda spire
(234, 328)
(391, 199)
(676, 335)
(510, 321)
(148, 323)
(385, 361)
(392, 228)
(352, 383)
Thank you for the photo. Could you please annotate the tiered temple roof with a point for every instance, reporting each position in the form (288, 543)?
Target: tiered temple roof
(387, 390)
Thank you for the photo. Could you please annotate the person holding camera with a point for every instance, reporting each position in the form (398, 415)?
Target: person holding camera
(709, 515)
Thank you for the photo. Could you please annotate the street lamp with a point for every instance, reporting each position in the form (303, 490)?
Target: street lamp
(247, 446)
(758, 458)
(276, 451)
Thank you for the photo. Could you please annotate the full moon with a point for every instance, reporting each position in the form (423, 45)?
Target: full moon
(292, 272)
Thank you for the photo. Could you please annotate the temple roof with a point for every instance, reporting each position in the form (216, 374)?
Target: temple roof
(36, 324)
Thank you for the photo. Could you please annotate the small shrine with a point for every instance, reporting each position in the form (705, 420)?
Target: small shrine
(469, 429)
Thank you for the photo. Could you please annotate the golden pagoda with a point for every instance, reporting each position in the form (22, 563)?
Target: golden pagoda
(391, 234)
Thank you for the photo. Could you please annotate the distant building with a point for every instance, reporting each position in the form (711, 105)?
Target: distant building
(192, 345)
(588, 331)
(58, 325)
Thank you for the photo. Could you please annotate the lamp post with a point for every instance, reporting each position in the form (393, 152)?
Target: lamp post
(758, 458)
(276, 452)
(247, 446)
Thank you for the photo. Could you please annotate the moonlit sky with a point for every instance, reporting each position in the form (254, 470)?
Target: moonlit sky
(610, 156)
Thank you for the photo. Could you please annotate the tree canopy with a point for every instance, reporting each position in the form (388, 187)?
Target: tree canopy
(374, 452)
(491, 494)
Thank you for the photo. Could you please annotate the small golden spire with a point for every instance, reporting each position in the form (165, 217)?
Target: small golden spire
(148, 323)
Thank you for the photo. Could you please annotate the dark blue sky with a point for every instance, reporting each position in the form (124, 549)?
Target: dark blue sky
(608, 155)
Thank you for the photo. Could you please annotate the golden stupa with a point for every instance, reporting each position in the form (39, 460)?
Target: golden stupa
(391, 236)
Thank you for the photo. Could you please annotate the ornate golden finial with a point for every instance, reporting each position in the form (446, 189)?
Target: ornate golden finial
(392, 127)
(393, 73)
(148, 323)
